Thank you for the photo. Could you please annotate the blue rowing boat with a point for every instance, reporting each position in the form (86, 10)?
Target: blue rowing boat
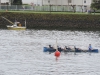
(51, 49)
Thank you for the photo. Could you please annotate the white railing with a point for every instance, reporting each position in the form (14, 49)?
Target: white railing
(41, 8)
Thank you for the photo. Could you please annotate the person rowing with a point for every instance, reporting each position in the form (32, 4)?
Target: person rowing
(90, 47)
(67, 49)
(78, 49)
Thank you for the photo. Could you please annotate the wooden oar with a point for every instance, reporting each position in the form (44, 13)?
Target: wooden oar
(7, 20)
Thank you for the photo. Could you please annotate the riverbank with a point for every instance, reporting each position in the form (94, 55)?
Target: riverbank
(52, 21)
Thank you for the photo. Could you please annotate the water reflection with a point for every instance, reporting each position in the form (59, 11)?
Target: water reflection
(21, 53)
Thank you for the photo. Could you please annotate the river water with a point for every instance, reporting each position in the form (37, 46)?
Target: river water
(21, 53)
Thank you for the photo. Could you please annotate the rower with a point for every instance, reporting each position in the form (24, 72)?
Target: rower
(19, 25)
(90, 47)
(50, 46)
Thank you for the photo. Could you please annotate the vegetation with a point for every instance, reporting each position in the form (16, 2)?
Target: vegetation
(95, 4)
(46, 12)
(17, 2)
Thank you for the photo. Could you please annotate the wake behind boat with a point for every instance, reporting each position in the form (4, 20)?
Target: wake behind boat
(16, 25)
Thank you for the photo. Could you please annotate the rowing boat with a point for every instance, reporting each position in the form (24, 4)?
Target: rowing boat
(47, 49)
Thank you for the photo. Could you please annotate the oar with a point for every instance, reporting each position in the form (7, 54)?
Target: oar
(89, 51)
(25, 22)
(7, 20)
(75, 50)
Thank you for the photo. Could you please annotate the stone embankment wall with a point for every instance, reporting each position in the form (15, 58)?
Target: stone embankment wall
(52, 21)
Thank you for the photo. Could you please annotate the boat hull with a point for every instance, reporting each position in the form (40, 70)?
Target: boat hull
(46, 49)
(16, 28)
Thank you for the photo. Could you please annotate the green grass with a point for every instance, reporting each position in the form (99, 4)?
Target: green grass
(47, 12)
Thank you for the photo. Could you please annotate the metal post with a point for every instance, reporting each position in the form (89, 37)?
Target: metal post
(73, 7)
(68, 5)
(7, 6)
(61, 6)
(42, 6)
(49, 6)
(82, 6)
(16, 7)
(56, 5)
(0, 4)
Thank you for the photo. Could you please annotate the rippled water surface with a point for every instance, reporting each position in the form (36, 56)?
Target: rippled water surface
(21, 53)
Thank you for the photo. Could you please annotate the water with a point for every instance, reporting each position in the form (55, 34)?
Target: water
(21, 53)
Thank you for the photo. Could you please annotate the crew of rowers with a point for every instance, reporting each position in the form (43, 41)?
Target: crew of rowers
(66, 48)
